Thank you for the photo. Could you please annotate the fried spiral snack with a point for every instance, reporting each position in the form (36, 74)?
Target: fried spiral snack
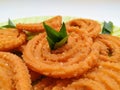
(10, 39)
(13, 73)
(71, 60)
(54, 22)
(87, 61)
(48, 83)
(110, 47)
(104, 77)
(92, 27)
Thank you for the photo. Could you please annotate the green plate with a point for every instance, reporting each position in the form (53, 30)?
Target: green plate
(37, 19)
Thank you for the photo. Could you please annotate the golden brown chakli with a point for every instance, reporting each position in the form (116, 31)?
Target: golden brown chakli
(73, 59)
(54, 22)
(87, 61)
(11, 39)
(13, 73)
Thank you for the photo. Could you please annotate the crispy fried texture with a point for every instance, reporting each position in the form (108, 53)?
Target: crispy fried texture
(13, 73)
(48, 83)
(54, 22)
(10, 39)
(104, 77)
(88, 61)
(107, 75)
(92, 27)
(110, 48)
(72, 60)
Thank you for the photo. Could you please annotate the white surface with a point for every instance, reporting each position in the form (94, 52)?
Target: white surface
(108, 10)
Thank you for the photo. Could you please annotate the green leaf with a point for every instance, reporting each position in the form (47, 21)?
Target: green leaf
(51, 33)
(54, 38)
(63, 32)
(10, 25)
(51, 43)
(61, 43)
(7, 26)
(107, 28)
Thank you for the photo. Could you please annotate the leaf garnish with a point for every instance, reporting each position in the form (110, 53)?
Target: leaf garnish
(54, 38)
(63, 32)
(51, 43)
(9, 25)
(107, 27)
(62, 42)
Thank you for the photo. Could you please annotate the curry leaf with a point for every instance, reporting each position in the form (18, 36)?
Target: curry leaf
(56, 39)
(107, 28)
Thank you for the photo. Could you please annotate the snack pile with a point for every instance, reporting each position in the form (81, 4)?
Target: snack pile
(82, 57)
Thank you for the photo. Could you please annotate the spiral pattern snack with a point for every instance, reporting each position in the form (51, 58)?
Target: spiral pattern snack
(106, 77)
(13, 73)
(71, 60)
(85, 59)
(11, 39)
(110, 48)
(54, 22)
(48, 83)
(92, 27)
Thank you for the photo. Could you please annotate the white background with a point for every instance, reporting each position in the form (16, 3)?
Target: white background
(108, 10)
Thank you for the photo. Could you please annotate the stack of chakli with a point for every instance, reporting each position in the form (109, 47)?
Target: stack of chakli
(88, 61)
